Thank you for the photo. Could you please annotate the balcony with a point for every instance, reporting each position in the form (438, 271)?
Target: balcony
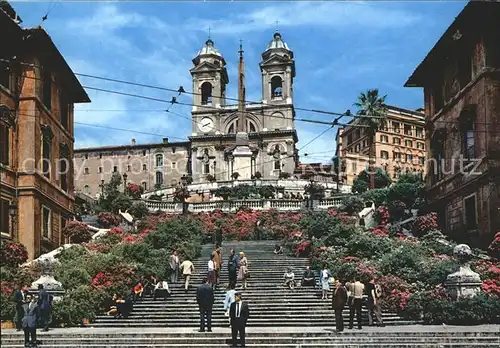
(231, 206)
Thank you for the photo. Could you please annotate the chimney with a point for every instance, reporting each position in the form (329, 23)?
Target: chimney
(132, 142)
(165, 140)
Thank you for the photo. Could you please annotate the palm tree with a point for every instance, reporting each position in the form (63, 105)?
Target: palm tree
(372, 113)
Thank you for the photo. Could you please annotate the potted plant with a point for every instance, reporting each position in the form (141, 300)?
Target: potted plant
(211, 178)
(235, 175)
(284, 175)
(258, 175)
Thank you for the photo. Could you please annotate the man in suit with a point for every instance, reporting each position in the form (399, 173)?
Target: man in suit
(45, 305)
(205, 299)
(30, 318)
(19, 300)
(232, 268)
(339, 301)
(239, 314)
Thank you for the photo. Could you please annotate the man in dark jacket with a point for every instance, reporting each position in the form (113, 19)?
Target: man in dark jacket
(232, 268)
(339, 301)
(205, 299)
(239, 314)
(308, 279)
(30, 318)
(45, 305)
(19, 300)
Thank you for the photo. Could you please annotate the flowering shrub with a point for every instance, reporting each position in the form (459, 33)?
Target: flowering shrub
(494, 247)
(303, 248)
(424, 224)
(380, 231)
(382, 215)
(12, 254)
(108, 220)
(77, 232)
(135, 191)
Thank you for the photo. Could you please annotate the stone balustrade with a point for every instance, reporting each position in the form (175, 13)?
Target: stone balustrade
(235, 204)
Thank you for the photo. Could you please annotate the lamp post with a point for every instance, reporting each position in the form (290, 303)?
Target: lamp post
(125, 176)
(102, 187)
(13, 214)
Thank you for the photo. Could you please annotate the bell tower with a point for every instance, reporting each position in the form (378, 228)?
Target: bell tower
(209, 78)
(278, 70)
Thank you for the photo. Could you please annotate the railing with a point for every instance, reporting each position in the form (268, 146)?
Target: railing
(235, 204)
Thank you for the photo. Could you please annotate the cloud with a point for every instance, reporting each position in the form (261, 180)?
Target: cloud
(327, 14)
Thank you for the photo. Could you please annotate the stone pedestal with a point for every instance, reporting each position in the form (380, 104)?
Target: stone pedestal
(242, 157)
(465, 282)
(47, 279)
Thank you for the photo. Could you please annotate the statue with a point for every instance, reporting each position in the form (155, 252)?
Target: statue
(465, 282)
(46, 263)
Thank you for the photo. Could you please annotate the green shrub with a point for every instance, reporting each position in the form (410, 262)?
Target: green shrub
(80, 303)
(437, 271)
(138, 210)
(72, 277)
(377, 196)
(404, 262)
(7, 307)
(369, 246)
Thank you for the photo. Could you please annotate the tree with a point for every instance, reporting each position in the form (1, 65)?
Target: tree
(267, 191)
(372, 112)
(380, 178)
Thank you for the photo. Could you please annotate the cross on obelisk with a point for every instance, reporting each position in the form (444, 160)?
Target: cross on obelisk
(209, 32)
(277, 23)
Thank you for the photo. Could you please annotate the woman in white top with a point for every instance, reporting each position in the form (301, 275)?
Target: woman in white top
(324, 277)
(212, 279)
(243, 271)
(289, 277)
(228, 300)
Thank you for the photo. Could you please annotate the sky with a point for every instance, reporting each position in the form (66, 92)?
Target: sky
(341, 49)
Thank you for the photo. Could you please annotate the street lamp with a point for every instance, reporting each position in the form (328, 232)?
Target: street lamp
(125, 176)
(102, 187)
(12, 214)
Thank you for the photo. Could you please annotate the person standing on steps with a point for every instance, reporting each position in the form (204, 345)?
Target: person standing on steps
(228, 300)
(30, 319)
(357, 289)
(19, 300)
(45, 305)
(187, 268)
(212, 279)
(174, 267)
(232, 268)
(324, 278)
(339, 299)
(239, 314)
(374, 292)
(205, 300)
(243, 272)
(218, 263)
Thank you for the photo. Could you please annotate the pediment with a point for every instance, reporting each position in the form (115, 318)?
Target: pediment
(205, 66)
(276, 59)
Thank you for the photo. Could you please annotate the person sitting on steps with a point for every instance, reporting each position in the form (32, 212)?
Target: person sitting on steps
(278, 249)
(289, 278)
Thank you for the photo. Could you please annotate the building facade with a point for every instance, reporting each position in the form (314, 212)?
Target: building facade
(399, 146)
(149, 165)
(461, 81)
(37, 93)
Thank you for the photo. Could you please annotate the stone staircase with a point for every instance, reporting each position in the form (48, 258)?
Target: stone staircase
(279, 337)
(270, 303)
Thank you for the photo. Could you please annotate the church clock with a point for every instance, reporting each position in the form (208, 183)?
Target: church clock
(206, 125)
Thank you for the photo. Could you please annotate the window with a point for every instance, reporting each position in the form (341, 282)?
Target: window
(129, 168)
(384, 154)
(100, 169)
(396, 141)
(174, 165)
(276, 87)
(409, 157)
(408, 143)
(396, 156)
(47, 89)
(395, 127)
(64, 110)
(144, 152)
(159, 160)
(206, 93)
(4, 214)
(470, 213)
(86, 189)
(365, 143)
(4, 74)
(419, 132)
(421, 160)
(63, 225)
(206, 168)
(356, 148)
(86, 170)
(349, 139)
(384, 138)
(4, 143)
(47, 136)
(420, 145)
(159, 178)
(115, 169)
(397, 173)
(64, 166)
(86, 156)
(233, 127)
(46, 222)
(354, 166)
(144, 168)
(144, 185)
(407, 129)
(467, 128)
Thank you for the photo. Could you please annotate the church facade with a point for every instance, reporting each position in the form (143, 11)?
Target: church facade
(228, 136)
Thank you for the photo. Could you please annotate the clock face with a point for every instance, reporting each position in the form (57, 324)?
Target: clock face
(206, 124)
